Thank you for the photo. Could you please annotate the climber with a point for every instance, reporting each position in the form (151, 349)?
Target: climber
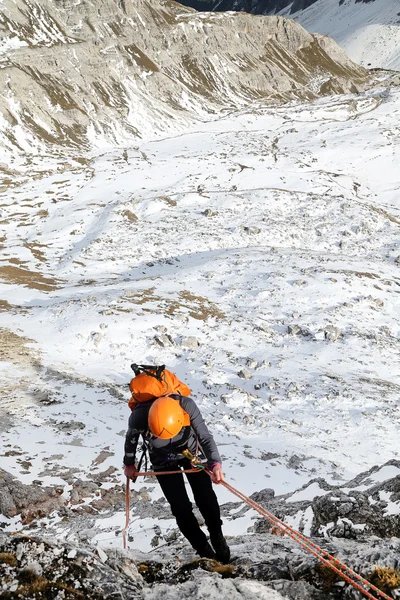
(170, 422)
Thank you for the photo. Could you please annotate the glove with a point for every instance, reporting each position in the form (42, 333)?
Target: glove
(130, 472)
(216, 473)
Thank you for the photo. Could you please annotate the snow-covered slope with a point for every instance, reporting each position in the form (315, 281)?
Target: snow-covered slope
(368, 31)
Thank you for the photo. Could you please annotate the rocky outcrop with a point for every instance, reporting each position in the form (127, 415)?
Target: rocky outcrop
(35, 568)
(34, 502)
(354, 510)
(266, 564)
(77, 75)
(264, 568)
(30, 501)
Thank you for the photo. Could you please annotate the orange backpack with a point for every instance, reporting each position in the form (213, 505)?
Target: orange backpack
(152, 382)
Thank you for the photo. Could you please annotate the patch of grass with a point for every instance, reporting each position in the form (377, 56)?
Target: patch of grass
(8, 558)
(112, 95)
(40, 587)
(31, 279)
(151, 571)
(326, 576)
(58, 91)
(5, 306)
(168, 200)
(385, 579)
(197, 307)
(34, 247)
(128, 214)
(207, 564)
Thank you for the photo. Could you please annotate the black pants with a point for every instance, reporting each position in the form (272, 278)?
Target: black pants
(173, 487)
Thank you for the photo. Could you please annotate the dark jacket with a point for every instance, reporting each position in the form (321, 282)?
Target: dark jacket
(164, 452)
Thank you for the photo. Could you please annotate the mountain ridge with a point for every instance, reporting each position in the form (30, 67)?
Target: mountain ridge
(368, 30)
(258, 7)
(125, 72)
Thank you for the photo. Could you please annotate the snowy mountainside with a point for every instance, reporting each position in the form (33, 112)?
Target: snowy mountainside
(368, 30)
(112, 73)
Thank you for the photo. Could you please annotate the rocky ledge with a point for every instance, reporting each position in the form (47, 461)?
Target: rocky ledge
(265, 567)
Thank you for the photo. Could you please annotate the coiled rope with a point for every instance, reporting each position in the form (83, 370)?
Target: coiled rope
(330, 561)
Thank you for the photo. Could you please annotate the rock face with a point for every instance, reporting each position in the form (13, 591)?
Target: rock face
(76, 75)
(31, 501)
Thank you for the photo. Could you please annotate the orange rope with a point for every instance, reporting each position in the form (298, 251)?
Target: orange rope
(156, 473)
(308, 545)
(127, 511)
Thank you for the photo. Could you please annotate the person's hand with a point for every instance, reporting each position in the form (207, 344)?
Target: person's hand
(130, 472)
(216, 473)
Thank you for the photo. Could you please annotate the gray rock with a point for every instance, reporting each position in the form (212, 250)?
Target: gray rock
(251, 230)
(266, 495)
(252, 364)
(295, 462)
(300, 283)
(190, 342)
(56, 563)
(245, 374)
(331, 333)
(269, 456)
(294, 329)
(31, 500)
(164, 340)
(297, 590)
(266, 328)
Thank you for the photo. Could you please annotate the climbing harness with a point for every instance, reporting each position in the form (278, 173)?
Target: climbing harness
(330, 561)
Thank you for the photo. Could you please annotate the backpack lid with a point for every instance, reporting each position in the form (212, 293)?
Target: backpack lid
(152, 382)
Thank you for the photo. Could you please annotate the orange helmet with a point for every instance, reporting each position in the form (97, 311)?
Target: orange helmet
(166, 418)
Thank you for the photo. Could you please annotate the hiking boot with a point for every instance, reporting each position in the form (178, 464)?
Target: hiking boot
(205, 551)
(220, 546)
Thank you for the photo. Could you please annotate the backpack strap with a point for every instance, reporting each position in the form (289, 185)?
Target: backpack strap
(145, 453)
(186, 417)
